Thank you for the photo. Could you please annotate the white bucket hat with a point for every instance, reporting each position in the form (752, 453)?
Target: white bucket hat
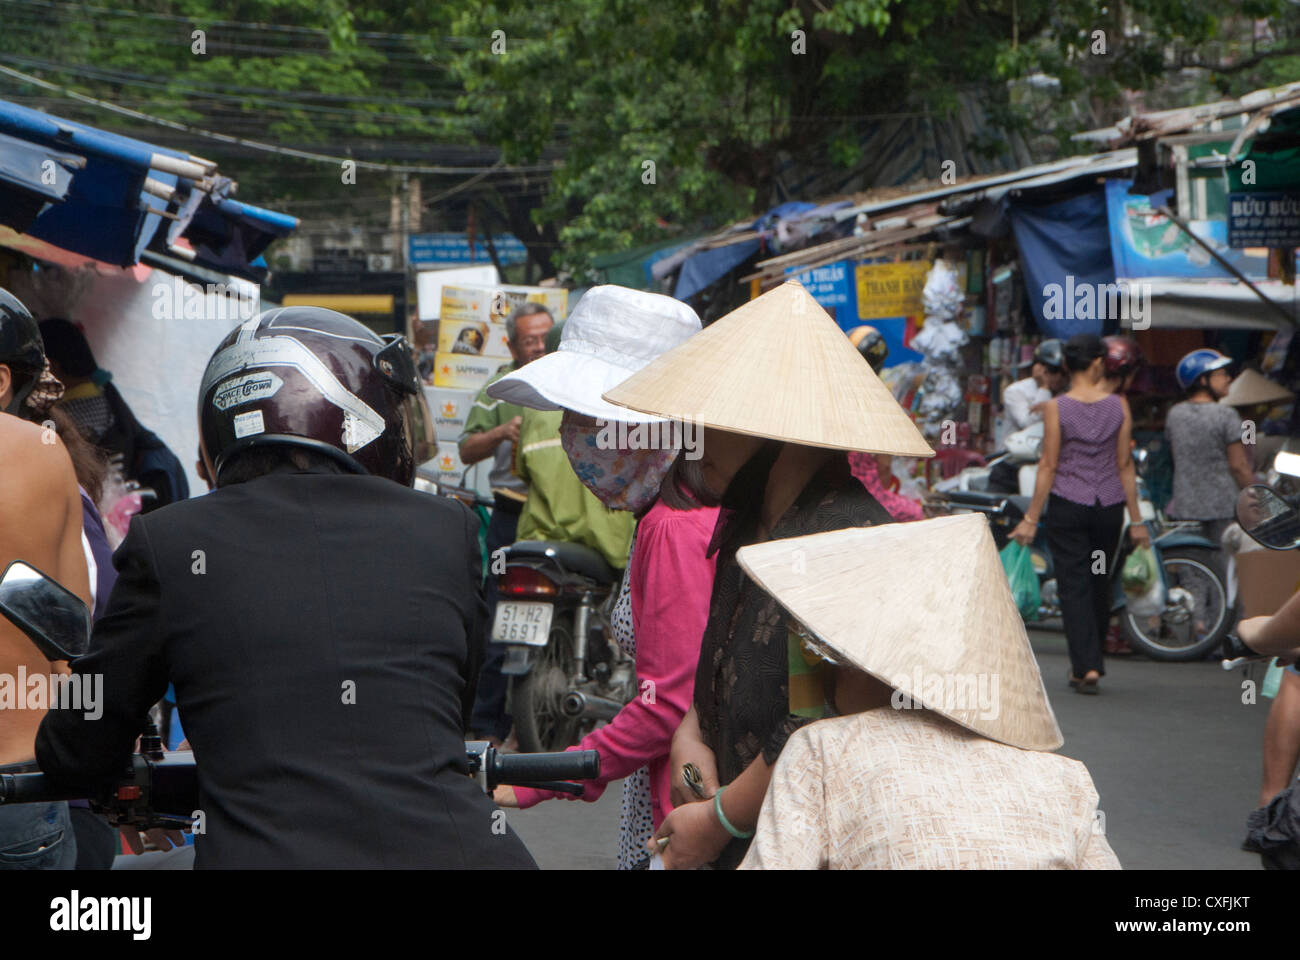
(611, 334)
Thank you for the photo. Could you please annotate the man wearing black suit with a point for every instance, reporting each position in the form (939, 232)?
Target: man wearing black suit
(322, 627)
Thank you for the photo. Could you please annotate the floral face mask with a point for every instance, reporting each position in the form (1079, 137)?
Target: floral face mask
(620, 479)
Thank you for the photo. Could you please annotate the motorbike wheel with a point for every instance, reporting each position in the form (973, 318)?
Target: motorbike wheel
(1196, 614)
(540, 726)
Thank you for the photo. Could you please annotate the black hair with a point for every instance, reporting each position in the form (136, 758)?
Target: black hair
(1081, 350)
(254, 462)
(685, 474)
(66, 345)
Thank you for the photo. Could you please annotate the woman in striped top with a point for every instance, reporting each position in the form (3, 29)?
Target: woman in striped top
(1085, 476)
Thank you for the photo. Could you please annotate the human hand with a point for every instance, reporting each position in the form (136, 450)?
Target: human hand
(1024, 532)
(689, 750)
(504, 796)
(695, 837)
(510, 429)
(1140, 535)
(1039, 407)
(161, 839)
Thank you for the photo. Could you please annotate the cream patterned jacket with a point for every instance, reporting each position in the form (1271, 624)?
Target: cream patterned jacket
(907, 789)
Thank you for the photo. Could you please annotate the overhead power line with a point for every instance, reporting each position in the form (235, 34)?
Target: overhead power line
(236, 24)
(267, 147)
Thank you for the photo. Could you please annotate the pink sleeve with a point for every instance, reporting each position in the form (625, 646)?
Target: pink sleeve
(672, 581)
(863, 466)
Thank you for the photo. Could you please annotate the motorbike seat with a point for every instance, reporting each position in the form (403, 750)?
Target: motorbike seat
(573, 557)
(978, 498)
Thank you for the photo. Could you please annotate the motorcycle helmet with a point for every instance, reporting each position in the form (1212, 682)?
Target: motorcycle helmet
(1050, 353)
(871, 345)
(317, 379)
(1122, 356)
(21, 349)
(1198, 363)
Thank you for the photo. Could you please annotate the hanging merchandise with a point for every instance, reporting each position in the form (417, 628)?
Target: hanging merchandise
(940, 397)
(943, 295)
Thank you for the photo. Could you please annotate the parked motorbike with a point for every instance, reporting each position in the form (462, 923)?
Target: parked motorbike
(1196, 614)
(160, 788)
(566, 672)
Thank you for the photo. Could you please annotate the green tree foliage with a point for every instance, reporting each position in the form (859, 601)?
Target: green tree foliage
(711, 92)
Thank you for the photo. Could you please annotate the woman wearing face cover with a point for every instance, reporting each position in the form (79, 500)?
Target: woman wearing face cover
(783, 395)
(632, 462)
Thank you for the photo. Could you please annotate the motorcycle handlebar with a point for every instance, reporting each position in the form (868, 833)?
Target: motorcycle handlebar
(522, 769)
(32, 788)
(516, 769)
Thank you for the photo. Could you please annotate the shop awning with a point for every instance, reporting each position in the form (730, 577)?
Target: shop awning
(1219, 305)
(112, 197)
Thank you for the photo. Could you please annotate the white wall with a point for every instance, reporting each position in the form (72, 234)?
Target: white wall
(157, 361)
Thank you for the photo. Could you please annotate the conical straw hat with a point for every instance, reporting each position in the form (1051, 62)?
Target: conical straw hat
(924, 607)
(776, 367)
(1251, 388)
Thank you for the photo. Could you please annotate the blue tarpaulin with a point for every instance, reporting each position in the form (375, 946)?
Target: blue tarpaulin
(710, 265)
(1064, 249)
(31, 177)
(100, 207)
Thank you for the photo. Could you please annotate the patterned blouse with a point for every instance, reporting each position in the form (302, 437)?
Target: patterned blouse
(1087, 468)
(742, 683)
(908, 789)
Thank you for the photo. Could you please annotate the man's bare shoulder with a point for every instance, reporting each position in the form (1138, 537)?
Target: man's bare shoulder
(43, 459)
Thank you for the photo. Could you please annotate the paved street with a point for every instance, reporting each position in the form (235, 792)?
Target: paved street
(1174, 753)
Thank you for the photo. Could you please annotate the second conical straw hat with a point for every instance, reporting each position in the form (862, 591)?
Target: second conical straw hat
(776, 367)
(924, 607)
(1250, 388)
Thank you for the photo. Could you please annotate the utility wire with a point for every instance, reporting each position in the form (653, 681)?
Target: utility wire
(237, 24)
(267, 147)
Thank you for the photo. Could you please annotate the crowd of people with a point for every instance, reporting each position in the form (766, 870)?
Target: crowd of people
(770, 597)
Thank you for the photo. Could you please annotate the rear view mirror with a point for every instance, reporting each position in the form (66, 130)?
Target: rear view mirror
(1268, 518)
(53, 617)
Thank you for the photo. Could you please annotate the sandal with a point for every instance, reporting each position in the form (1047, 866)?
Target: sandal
(1089, 686)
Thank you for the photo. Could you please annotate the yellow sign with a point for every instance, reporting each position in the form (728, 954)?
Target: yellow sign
(494, 304)
(891, 289)
(349, 303)
(462, 371)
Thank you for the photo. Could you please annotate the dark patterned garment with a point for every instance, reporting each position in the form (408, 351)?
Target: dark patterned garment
(742, 681)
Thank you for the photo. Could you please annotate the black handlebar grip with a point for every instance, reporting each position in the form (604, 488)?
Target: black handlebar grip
(32, 788)
(1234, 649)
(525, 768)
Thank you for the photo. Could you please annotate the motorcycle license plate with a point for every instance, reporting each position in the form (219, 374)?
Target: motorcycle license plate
(528, 623)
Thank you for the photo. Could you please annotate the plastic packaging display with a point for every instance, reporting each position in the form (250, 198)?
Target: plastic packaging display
(942, 297)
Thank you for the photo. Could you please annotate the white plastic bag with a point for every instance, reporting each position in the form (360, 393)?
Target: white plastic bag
(1152, 602)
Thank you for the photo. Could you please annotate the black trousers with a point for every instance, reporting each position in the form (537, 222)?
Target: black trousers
(1075, 534)
(489, 717)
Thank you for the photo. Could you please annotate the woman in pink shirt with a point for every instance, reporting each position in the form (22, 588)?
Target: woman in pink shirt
(660, 615)
(663, 601)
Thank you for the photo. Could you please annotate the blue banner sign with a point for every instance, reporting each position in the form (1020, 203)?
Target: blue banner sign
(453, 248)
(1264, 220)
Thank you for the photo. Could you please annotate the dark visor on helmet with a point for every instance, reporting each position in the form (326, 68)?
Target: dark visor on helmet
(397, 365)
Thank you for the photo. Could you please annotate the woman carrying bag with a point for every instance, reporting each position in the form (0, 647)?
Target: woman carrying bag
(1086, 475)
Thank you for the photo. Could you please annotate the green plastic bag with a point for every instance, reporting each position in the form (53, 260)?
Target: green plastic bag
(1022, 576)
(1140, 571)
